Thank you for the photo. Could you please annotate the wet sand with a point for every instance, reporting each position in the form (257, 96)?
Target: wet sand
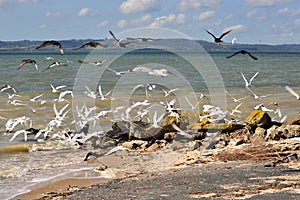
(229, 173)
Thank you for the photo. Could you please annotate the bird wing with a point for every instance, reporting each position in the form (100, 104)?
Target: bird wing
(251, 55)
(82, 46)
(245, 79)
(22, 63)
(225, 34)
(233, 54)
(46, 43)
(251, 79)
(111, 33)
(210, 34)
(290, 90)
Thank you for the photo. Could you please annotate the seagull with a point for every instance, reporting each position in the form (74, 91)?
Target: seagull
(290, 90)
(251, 79)
(56, 64)
(255, 95)
(146, 86)
(25, 61)
(120, 44)
(18, 133)
(262, 108)
(7, 87)
(97, 63)
(116, 72)
(219, 39)
(243, 52)
(233, 41)
(154, 72)
(60, 115)
(37, 99)
(167, 93)
(156, 120)
(189, 102)
(52, 42)
(55, 89)
(234, 99)
(49, 58)
(91, 44)
(63, 94)
(16, 102)
(235, 110)
(103, 97)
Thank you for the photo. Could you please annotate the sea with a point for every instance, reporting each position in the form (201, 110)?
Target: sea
(126, 77)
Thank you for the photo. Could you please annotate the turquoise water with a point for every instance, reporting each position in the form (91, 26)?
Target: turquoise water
(275, 71)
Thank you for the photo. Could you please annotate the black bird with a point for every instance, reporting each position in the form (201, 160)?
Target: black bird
(120, 44)
(91, 44)
(52, 42)
(25, 61)
(242, 52)
(219, 39)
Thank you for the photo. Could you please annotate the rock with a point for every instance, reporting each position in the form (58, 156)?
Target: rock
(261, 132)
(292, 131)
(134, 144)
(239, 137)
(153, 147)
(216, 126)
(293, 122)
(258, 118)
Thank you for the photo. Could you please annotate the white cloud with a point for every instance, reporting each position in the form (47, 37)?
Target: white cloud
(122, 23)
(238, 27)
(195, 4)
(103, 24)
(163, 20)
(83, 12)
(289, 12)
(297, 22)
(251, 13)
(141, 20)
(180, 19)
(53, 14)
(228, 17)
(43, 26)
(4, 3)
(135, 6)
(265, 3)
(206, 15)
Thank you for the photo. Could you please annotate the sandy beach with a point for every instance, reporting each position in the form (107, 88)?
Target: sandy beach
(257, 170)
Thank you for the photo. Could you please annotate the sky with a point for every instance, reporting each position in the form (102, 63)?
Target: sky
(252, 21)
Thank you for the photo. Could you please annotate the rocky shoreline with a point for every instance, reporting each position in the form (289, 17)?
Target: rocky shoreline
(259, 149)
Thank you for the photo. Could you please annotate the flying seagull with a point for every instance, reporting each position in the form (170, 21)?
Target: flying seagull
(25, 61)
(52, 42)
(120, 44)
(248, 83)
(7, 87)
(91, 44)
(290, 90)
(56, 64)
(218, 40)
(97, 63)
(243, 52)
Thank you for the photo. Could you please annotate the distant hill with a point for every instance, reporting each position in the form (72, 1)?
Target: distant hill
(28, 45)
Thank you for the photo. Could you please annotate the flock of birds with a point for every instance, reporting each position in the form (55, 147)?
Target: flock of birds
(213, 113)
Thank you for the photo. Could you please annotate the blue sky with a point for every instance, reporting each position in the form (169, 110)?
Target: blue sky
(253, 21)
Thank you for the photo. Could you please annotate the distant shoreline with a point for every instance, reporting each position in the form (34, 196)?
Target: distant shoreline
(28, 45)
